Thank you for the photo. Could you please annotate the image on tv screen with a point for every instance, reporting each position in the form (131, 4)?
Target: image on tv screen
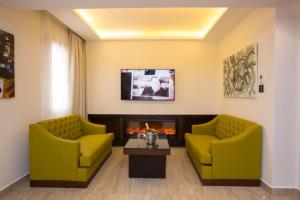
(148, 84)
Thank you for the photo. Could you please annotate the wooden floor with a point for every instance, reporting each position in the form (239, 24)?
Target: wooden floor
(112, 182)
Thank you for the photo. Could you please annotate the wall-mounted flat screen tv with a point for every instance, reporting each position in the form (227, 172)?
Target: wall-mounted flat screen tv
(148, 84)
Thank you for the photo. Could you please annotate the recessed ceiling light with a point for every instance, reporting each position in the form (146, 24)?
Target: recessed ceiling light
(151, 23)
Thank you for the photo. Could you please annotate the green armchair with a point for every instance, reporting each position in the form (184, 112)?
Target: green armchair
(67, 151)
(226, 151)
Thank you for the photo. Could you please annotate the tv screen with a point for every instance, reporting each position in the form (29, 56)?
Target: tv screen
(148, 84)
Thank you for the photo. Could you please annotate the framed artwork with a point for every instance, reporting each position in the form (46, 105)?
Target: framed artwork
(7, 64)
(240, 73)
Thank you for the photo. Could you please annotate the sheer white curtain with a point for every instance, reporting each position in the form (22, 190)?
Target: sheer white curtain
(63, 82)
(77, 73)
(56, 91)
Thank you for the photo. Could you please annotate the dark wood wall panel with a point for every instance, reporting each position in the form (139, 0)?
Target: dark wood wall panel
(116, 123)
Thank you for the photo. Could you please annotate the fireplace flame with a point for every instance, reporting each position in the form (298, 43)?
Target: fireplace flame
(167, 131)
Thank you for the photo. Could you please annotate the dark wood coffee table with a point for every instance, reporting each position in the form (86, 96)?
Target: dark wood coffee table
(147, 161)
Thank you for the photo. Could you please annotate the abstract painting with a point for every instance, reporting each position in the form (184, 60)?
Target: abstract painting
(7, 72)
(240, 73)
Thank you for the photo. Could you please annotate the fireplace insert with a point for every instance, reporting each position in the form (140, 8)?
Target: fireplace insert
(164, 128)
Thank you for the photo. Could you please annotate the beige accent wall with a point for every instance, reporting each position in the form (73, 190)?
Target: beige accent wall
(298, 110)
(285, 109)
(25, 108)
(195, 62)
(298, 102)
(258, 27)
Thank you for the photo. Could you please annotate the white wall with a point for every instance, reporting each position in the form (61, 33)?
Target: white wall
(196, 88)
(285, 108)
(258, 28)
(298, 100)
(25, 108)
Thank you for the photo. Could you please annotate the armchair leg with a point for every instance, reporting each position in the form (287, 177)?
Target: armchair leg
(230, 182)
(59, 184)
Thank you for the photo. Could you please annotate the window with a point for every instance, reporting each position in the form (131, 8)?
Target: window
(59, 83)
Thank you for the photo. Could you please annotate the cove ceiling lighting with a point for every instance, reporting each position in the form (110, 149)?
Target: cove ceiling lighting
(151, 23)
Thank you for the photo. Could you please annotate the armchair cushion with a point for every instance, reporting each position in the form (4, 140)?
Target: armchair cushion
(200, 144)
(229, 126)
(91, 146)
(67, 127)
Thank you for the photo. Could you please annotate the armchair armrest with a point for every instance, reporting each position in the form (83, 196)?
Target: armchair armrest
(186, 135)
(89, 128)
(208, 128)
(51, 157)
(238, 157)
(111, 135)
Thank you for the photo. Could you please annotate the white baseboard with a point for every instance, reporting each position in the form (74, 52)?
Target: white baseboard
(281, 191)
(12, 185)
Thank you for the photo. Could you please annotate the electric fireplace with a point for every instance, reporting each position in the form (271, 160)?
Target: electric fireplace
(164, 128)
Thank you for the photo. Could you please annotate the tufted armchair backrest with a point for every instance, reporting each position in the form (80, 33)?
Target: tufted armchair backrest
(229, 126)
(67, 127)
